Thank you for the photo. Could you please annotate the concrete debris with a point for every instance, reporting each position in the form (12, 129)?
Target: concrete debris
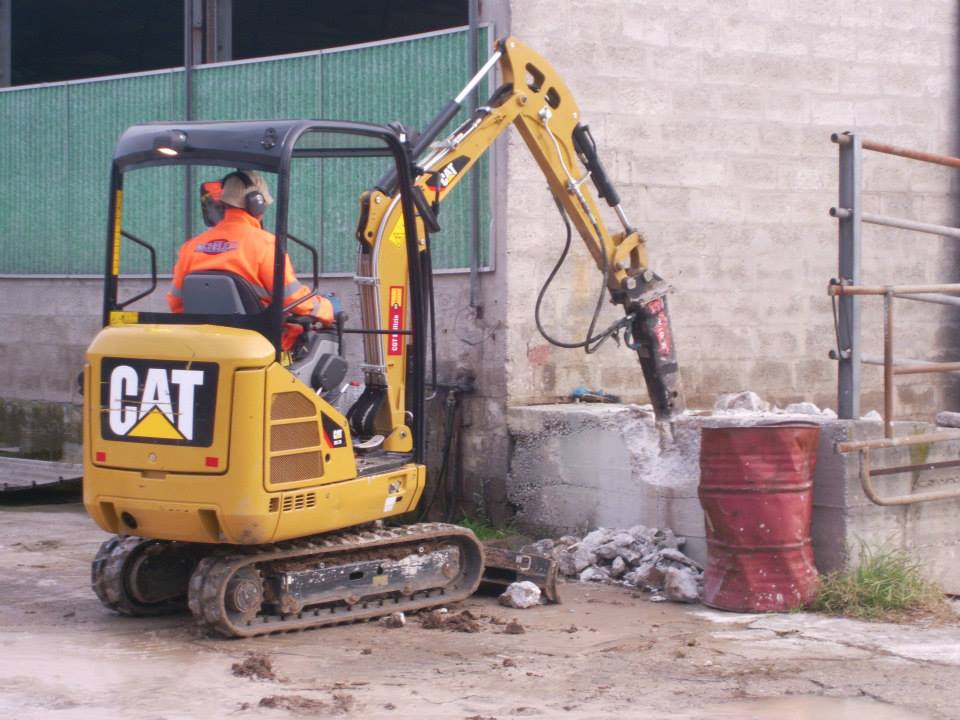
(802, 408)
(948, 419)
(680, 585)
(617, 568)
(749, 403)
(641, 557)
(747, 400)
(583, 558)
(394, 620)
(521, 595)
(595, 573)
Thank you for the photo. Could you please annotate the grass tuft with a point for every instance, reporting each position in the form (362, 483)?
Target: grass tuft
(483, 528)
(885, 584)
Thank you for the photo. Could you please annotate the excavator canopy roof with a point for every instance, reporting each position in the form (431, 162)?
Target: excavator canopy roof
(253, 144)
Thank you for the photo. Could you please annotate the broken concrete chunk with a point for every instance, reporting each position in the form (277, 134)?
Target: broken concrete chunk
(521, 595)
(618, 568)
(595, 539)
(747, 400)
(948, 419)
(680, 585)
(648, 574)
(678, 557)
(607, 552)
(666, 539)
(622, 539)
(567, 566)
(642, 533)
(394, 620)
(594, 574)
(583, 558)
(802, 408)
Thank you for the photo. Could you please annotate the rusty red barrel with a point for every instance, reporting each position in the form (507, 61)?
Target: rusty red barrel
(756, 492)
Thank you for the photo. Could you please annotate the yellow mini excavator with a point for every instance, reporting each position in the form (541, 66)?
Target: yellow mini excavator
(230, 482)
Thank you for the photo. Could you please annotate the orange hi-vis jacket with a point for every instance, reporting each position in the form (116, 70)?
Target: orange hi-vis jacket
(239, 245)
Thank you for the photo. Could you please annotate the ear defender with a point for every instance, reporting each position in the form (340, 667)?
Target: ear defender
(253, 202)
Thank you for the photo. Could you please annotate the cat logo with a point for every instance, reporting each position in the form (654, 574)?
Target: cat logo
(441, 179)
(158, 401)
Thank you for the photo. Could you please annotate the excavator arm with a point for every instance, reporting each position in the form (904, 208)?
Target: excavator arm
(535, 100)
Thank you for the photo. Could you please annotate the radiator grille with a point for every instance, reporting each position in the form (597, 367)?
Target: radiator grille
(303, 501)
(287, 405)
(291, 437)
(294, 468)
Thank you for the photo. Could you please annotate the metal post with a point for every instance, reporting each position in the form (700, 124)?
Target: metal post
(6, 68)
(848, 376)
(218, 30)
(473, 179)
(192, 47)
(888, 364)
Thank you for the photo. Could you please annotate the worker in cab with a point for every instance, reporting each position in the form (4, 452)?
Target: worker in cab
(237, 243)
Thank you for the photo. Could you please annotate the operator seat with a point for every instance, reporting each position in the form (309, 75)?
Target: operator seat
(317, 361)
(220, 292)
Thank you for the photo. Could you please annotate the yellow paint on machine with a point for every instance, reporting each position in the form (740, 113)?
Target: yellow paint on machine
(117, 226)
(267, 423)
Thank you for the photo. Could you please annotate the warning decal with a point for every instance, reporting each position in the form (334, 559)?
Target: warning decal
(333, 434)
(395, 322)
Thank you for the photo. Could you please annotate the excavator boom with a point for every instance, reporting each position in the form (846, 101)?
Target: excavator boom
(534, 99)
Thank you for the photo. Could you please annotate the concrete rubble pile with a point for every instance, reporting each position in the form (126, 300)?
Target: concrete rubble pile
(648, 559)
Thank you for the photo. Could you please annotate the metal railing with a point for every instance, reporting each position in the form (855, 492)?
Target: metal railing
(846, 289)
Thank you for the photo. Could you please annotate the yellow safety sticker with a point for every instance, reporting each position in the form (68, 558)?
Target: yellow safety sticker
(398, 236)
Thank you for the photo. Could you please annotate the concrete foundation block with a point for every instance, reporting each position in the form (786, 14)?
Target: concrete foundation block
(575, 467)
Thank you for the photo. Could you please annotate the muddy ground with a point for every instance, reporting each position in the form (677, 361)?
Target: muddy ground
(603, 653)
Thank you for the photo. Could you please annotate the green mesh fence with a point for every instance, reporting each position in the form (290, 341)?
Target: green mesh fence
(58, 140)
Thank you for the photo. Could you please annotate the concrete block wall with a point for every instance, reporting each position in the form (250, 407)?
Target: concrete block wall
(714, 119)
(845, 520)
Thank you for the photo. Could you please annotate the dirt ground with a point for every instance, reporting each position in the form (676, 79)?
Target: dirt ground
(602, 653)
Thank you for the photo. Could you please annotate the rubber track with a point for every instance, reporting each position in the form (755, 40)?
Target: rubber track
(108, 578)
(209, 581)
